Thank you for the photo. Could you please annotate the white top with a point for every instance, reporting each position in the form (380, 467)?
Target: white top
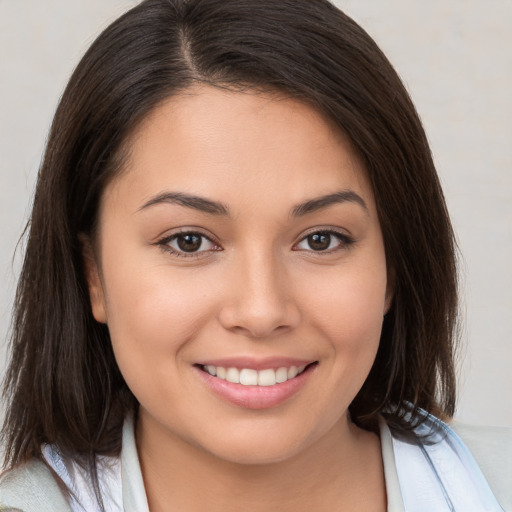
(420, 476)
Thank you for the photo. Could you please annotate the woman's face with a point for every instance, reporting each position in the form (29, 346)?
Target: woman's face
(241, 242)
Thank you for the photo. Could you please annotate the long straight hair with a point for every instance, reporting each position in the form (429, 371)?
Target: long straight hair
(63, 385)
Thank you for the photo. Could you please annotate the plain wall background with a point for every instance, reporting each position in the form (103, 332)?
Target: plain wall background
(456, 60)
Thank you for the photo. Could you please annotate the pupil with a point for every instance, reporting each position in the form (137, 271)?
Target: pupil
(319, 241)
(189, 243)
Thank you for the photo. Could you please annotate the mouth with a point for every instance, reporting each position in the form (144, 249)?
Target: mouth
(253, 377)
(251, 388)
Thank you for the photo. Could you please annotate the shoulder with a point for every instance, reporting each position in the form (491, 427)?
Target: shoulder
(31, 487)
(459, 466)
(492, 449)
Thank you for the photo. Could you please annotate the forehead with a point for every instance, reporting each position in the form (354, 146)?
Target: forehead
(230, 145)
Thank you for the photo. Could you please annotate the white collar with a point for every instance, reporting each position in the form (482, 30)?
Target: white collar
(134, 495)
(436, 471)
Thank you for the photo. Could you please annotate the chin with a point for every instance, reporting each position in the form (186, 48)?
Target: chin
(256, 455)
(261, 448)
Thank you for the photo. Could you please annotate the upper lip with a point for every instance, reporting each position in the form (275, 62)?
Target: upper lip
(256, 363)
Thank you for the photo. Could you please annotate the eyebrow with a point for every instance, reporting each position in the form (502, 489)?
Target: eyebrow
(190, 201)
(319, 203)
(216, 208)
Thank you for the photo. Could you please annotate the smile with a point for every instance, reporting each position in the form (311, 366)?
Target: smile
(252, 377)
(257, 385)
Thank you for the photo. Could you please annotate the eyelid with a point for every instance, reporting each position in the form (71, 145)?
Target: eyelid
(346, 241)
(164, 241)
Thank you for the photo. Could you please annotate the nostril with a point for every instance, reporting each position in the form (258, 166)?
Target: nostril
(259, 322)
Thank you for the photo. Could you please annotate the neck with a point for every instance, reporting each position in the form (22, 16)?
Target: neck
(340, 471)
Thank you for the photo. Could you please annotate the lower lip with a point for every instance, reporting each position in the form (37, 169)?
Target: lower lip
(256, 397)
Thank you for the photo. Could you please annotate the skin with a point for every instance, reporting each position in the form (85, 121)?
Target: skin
(257, 289)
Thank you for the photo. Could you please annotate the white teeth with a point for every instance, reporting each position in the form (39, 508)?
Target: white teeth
(233, 375)
(292, 372)
(266, 377)
(282, 375)
(251, 377)
(248, 377)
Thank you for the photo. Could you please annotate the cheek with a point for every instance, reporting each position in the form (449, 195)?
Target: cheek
(151, 319)
(153, 314)
(350, 307)
(348, 310)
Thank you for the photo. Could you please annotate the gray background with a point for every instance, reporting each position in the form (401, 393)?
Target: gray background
(456, 60)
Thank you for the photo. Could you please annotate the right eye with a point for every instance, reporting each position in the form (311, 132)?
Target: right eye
(188, 244)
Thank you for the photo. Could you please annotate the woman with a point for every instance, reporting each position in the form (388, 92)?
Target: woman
(239, 278)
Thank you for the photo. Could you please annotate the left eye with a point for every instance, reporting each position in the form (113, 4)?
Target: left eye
(189, 243)
(323, 241)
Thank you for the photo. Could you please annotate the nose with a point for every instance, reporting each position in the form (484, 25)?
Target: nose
(259, 300)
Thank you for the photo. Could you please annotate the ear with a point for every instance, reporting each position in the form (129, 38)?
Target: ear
(94, 283)
(390, 290)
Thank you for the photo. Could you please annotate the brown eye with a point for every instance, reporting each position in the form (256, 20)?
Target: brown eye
(189, 242)
(324, 241)
(319, 241)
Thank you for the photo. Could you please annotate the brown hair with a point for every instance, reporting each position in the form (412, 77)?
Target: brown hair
(63, 385)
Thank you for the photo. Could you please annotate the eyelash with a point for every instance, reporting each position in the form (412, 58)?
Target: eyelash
(164, 244)
(344, 243)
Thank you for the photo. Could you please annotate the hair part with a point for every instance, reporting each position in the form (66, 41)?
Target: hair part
(63, 386)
